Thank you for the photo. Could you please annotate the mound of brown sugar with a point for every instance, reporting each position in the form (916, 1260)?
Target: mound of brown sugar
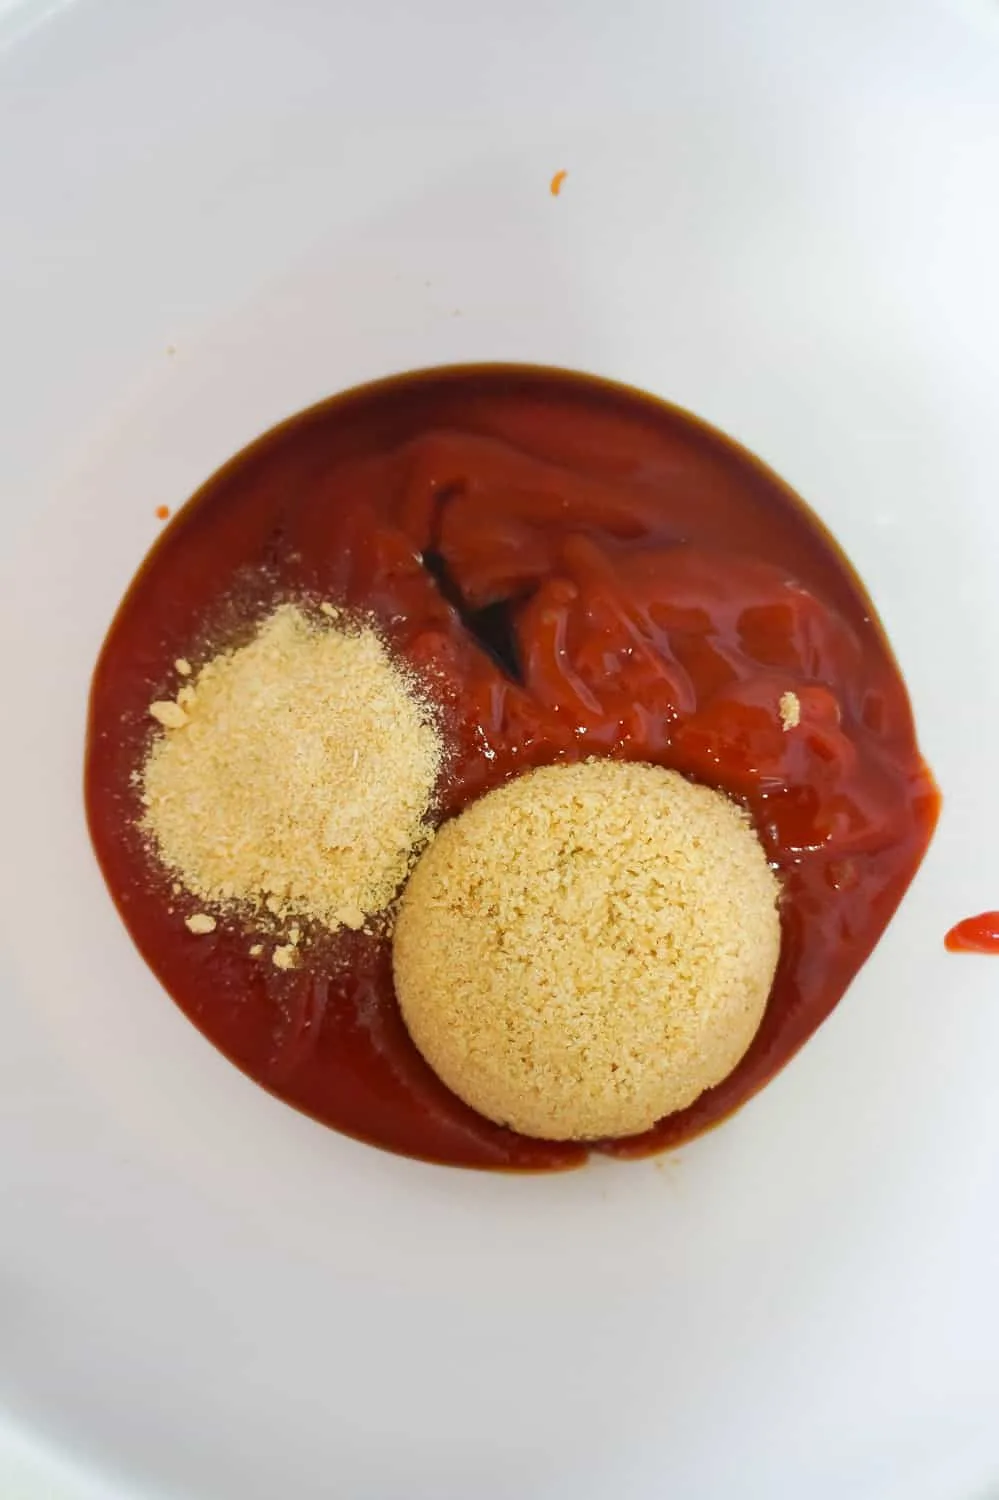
(293, 774)
(588, 948)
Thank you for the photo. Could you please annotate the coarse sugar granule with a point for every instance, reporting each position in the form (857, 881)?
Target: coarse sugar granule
(294, 774)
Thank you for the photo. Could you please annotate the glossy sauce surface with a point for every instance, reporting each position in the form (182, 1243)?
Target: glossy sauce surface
(975, 934)
(577, 569)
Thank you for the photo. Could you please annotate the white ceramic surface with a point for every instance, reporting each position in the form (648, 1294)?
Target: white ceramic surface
(781, 214)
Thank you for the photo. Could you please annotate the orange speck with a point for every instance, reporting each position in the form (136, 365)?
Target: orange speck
(557, 181)
(162, 512)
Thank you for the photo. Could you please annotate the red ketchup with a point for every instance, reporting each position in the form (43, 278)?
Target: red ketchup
(975, 934)
(575, 569)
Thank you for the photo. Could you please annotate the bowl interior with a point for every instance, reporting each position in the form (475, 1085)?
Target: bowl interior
(776, 216)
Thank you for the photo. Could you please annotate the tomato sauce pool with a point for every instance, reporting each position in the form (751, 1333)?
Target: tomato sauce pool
(577, 569)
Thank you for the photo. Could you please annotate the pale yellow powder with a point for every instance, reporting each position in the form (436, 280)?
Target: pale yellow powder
(171, 715)
(789, 709)
(294, 774)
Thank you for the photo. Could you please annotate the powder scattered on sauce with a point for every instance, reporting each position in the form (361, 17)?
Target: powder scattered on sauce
(168, 713)
(557, 181)
(789, 709)
(975, 934)
(285, 956)
(293, 775)
(162, 512)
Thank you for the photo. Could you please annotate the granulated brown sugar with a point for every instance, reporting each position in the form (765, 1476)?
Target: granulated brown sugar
(588, 948)
(293, 774)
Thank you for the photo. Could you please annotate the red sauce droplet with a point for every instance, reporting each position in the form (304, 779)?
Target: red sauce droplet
(162, 512)
(581, 570)
(975, 934)
(557, 181)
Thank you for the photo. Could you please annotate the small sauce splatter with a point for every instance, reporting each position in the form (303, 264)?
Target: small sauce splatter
(975, 934)
(557, 181)
(162, 512)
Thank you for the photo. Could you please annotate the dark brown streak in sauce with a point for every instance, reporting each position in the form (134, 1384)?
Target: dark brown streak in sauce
(578, 569)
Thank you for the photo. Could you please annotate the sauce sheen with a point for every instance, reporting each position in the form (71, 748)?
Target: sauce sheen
(975, 934)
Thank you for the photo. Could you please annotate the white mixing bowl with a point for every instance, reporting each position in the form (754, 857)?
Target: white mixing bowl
(781, 215)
